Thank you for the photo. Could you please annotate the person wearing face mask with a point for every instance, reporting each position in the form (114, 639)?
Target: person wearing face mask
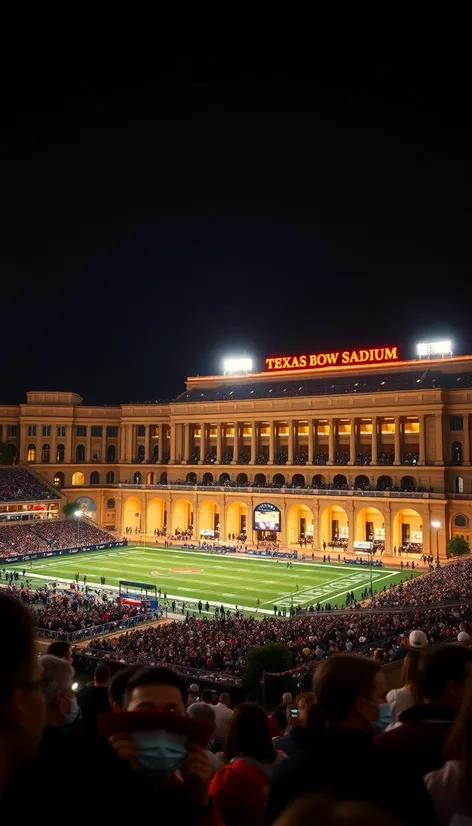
(170, 773)
(349, 691)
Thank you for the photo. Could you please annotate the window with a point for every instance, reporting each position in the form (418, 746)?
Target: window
(110, 503)
(111, 453)
(110, 477)
(154, 431)
(59, 480)
(31, 430)
(95, 478)
(456, 453)
(140, 453)
(45, 453)
(60, 453)
(137, 478)
(12, 430)
(112, 431)
(460, 521)
(456, 423)
(31, 457)
(80, 453)
(46, 429)
(96, 430)
(459, 484)
(61, 431)
(81, 430)
(140, 430)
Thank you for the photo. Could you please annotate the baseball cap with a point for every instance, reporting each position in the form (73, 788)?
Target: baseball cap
(463, 636)
(194, 689)
(418, 639)
(203, 712)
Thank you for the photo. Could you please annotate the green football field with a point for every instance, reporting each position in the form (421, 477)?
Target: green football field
(192, 575)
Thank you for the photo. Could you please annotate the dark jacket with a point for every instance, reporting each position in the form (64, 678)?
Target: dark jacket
(346, 765)
(295, 739)
(423, 734)
(93, 700)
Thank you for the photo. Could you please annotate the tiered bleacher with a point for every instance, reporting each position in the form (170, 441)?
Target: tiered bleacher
(18, 484)
(20, 539)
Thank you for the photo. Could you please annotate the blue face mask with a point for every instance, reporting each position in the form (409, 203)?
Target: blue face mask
(160, 753)
(73, 713)
(385, 718)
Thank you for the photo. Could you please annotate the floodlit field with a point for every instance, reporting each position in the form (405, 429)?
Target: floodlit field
(241, 581)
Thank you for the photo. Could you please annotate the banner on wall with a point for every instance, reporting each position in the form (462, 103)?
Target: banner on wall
(64, 552)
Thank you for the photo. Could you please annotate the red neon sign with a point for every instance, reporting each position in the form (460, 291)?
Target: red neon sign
(338, 358)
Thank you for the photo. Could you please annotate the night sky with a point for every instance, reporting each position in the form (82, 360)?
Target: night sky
(169, 197)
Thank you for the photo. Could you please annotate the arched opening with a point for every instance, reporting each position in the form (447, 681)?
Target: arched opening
(457, 452)
(60, 453)
(207, 479)
(182, 516)
(460, 521)
(150, 478)
(31, 456)
(260, 480)
(140, 453)
(59, 480)
(299, 524)
(408, 483)
(242, 480)
(278, 481)
(334, 528)
(155, 453)
(110, 477)
(209, 519)
(45, 453)
(369, 526)
(137, 478)
(340, 481)
(318, 480)
(408, 530)
(163, 478)
(459, 484)
(80, 453)
(191, 478)
(236, 521)
(110, 504)
(88, 507)
(78, 478)
(298, 480)
(132, 515)
(384, 483)
(111, 453)
(155, 515)
(224, 478)
(362, 482)
(95, 478)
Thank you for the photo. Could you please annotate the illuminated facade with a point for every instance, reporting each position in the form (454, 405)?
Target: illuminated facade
(350, 452)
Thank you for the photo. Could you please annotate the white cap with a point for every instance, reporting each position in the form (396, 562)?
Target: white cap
(287, 698)
(194, 689)
(418, 639)
(463, 636)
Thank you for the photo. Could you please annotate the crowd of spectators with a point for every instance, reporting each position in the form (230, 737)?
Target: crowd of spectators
(48, 535)
(18, 484)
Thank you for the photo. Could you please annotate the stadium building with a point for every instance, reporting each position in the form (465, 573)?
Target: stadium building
(344, 446)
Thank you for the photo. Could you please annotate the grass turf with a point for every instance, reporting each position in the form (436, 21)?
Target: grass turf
(219, 579)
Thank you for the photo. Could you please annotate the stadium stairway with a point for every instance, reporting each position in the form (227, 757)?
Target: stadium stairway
(58, 493)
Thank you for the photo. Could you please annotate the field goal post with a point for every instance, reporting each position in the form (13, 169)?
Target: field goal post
(137, 593)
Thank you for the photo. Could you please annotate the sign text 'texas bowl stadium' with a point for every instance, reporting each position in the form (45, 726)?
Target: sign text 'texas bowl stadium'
(375, 355)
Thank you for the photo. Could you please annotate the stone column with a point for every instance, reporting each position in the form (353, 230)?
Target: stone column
(316, 525)
(202, 443)
(53, 443)
(351, 521)
(311, 436)
(68, 443)
(186, 456)
(129, 443)
(161, 442)
(331, 442)
(219, 434)
(173, 441)
(398, 441)
(375, 440)
(122, 442)
(439, 440)
(387, 515)
(422, 439)
(88, 444)
(104, 444)
(236, 444)
(466, 457)
(254, 427)
(23, 442)
(291, 426)
(353, 442)
(147, 449)
(272, 443)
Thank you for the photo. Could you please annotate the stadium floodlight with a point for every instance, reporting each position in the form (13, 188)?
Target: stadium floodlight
(237, 365)
(428, 349)
(436, 525)
(78, 514)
